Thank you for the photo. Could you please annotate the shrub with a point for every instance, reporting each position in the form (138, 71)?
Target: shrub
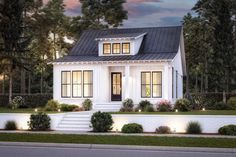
(101, 122)
(183, 105)
(222, 106)
(52, 105)
(17, 102)
(164, 106)
(67, 107)
(227, 130)
(194, 128)
(77, 109)
(31, 100)
(10, 125)
(149, 109)
(232, 102)
(128, 105)
(144, 104)
(39, 122)
(163, 130)
(87, 104)
(132, 128)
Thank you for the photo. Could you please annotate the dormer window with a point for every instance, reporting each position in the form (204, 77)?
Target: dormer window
(116, 48)
(106, 48)
(126, 48)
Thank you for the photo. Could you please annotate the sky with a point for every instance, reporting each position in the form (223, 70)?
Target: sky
(146, 13)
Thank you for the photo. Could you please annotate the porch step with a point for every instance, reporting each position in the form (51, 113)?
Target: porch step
(107, 107)
(76, 121)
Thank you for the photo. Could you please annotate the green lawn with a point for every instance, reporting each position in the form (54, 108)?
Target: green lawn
(120, 140)
(207, 112)
(21, 110)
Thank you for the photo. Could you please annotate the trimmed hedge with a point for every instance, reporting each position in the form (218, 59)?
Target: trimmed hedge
(132, 128)
(194, 128)
(101, 122)
(31, 101)
(39, 122)
(227, 130)
(10, 125)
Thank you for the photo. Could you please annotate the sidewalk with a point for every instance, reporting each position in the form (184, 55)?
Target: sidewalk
(118, 134)
(119, 147)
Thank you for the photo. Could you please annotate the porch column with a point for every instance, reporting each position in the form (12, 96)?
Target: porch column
(165, 87)
(127, 81)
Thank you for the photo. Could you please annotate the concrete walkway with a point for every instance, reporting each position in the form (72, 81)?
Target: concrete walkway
(119, 134)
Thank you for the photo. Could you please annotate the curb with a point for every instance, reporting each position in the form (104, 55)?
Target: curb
(119, 147)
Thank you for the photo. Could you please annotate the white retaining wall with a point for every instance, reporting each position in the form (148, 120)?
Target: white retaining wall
(177, 123)
(21, 119)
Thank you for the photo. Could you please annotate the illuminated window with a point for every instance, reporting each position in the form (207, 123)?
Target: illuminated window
(126, 48)
(116, 48)
(87, 84)
(156, 85)
(106, 48)
(65, 84)
(77, 84)
(146, 84)
(151, 84)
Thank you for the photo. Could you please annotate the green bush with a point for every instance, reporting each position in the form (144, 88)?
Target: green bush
(18, 102)
(194, 128)
(31, 100)
(67, 107)
(132, 128)
(52, 105)
(10, 125)
(101, 122)
(128, 105)
(39, 122)
(164, 106)
(144, 104)
(87, 104)
(232, 102)
(227, 130)
(222, 106)
(183, 105)
(149, 109)
(163, 130)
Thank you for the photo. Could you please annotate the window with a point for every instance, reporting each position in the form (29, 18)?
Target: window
(106, 48)
(116, 48)
(77, 84)
(151, 84)
(156, 85)
(65, 84)
(173, 80)
(126, 48)
(87, 84)
(176, 82)
(146, 84)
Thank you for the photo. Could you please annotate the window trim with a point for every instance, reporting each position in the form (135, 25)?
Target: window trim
(113, 49)
(65, 84)
(123, 49)
(104, 49)
(87, 84)
(72, 83)
(176, 82)
(146, 84)
(156, 84)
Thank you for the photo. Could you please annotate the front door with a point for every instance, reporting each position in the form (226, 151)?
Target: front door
(116, 84)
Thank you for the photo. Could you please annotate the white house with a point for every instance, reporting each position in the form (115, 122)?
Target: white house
(108, 66)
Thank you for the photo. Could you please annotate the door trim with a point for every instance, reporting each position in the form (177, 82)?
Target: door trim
(119, 98)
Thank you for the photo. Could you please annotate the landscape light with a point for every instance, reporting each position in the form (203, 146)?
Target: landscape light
(139, 110)
(176, 110)
(36, 110)
(203, 109)
(59, 110)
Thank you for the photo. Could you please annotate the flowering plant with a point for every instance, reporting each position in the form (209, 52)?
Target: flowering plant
(164, 106)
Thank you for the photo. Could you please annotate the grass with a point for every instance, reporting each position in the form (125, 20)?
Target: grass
(121, 140)
(21, 110)
(199, 112)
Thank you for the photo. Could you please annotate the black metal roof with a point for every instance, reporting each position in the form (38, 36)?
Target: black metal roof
(126, 35)
(159, 43)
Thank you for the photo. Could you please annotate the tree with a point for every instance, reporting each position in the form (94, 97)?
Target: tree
(103, 13)
(14, 43)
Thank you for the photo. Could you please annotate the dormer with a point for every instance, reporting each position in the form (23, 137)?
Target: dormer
(120, 44)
